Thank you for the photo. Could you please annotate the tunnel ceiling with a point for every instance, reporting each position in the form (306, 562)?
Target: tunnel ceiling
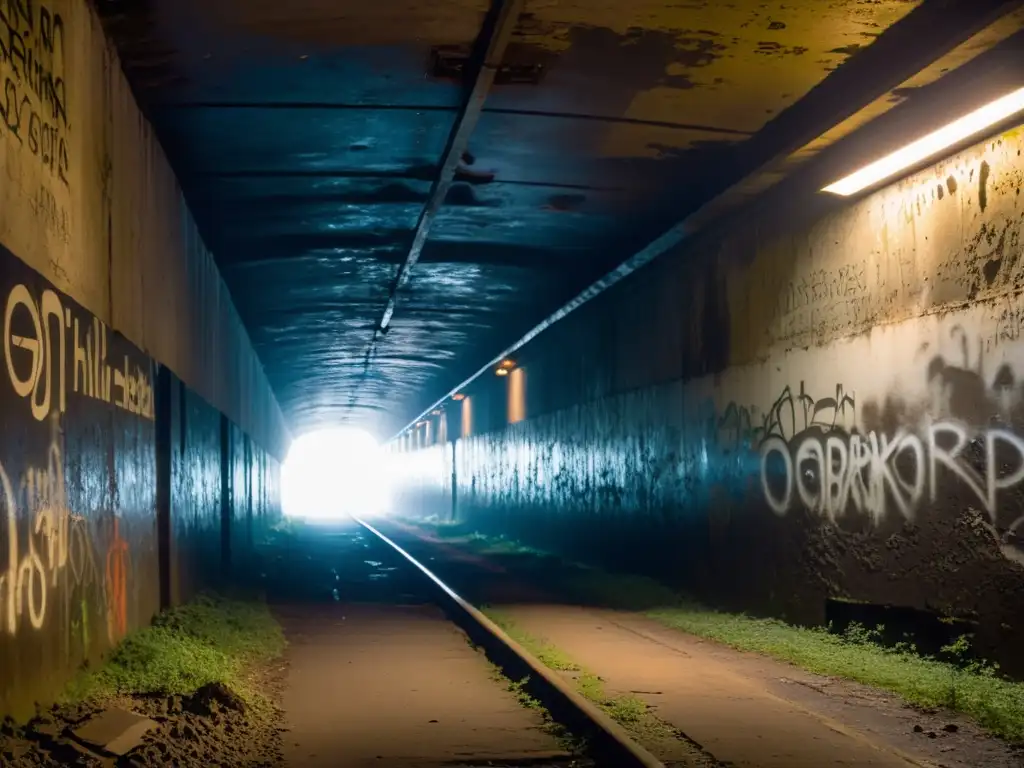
(309, 137)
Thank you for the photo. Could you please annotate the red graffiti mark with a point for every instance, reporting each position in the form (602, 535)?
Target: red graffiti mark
(117, 585)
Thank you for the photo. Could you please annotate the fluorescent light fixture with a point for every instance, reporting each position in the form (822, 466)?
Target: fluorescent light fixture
(930, 145)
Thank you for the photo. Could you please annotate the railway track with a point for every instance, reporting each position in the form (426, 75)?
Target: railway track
(387, 666)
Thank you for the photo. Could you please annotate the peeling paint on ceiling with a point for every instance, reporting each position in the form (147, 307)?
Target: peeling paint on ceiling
(307, 134)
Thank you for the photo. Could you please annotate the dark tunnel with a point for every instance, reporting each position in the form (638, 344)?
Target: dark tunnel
(512, 383)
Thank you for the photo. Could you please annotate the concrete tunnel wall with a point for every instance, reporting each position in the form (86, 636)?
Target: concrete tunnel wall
(783, 413)
(141, 440)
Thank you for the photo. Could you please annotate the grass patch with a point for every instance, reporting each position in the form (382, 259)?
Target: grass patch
(629, 711)
(469, 537)
(209, 640)
(971, 688)
(442, 528)
(465, 535)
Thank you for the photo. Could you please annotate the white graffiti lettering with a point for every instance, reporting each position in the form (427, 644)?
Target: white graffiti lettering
(49, 550)
(834, 473)
(37, 353)
(29, 576)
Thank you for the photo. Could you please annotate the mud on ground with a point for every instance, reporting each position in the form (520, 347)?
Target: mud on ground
(213, 727)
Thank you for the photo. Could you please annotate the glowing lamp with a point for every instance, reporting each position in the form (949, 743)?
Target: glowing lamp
(931, 145)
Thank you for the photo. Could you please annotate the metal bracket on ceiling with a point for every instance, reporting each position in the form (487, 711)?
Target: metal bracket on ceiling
(492, 43)
(451, 62)
(490, 47)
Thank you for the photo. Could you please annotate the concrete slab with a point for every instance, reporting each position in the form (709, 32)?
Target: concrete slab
(390, 686)
(115, 731)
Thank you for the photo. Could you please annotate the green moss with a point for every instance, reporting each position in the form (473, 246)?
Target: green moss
(212, 639)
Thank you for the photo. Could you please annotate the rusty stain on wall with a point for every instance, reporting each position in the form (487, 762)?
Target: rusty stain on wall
(906, 251)
(757, 57)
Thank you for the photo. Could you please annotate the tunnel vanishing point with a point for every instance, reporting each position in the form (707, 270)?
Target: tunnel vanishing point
(577, 263)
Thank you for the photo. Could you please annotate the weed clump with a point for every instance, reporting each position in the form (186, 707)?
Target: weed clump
(211, 640)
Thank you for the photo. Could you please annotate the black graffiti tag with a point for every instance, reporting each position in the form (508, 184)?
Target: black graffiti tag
(33, 106)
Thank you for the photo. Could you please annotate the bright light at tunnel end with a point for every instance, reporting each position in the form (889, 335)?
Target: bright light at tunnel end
(333, 474)
(931, 145)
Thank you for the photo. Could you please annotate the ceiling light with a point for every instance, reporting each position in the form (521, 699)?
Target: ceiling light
(508, 364)
(436, 412)
(930, 145)
(458, 396)
(501, 372)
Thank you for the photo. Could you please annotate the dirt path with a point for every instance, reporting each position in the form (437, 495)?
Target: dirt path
(744, 709)
(397, 686)
(392, 683)
(942, 738)
(730, 715)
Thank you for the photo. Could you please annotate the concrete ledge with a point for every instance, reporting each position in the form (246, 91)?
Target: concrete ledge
(609, 742)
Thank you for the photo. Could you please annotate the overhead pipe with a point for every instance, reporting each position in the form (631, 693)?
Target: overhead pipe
(495, 35)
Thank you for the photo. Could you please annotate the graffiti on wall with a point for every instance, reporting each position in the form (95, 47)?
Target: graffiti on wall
(64, 552)
(54, 556)
(792, 412)
(892, 461)
(50, 214)
(55, 544)
(34, 104)
(826, 300)
(824, 287)
(48, 345)
(879, 474)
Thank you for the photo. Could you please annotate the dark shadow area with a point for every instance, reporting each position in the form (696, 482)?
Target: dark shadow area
(518, 574)
(893, 626)
(333, 562)
(535, 577)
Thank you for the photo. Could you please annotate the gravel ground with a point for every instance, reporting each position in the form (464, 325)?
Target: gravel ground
(213, 727)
